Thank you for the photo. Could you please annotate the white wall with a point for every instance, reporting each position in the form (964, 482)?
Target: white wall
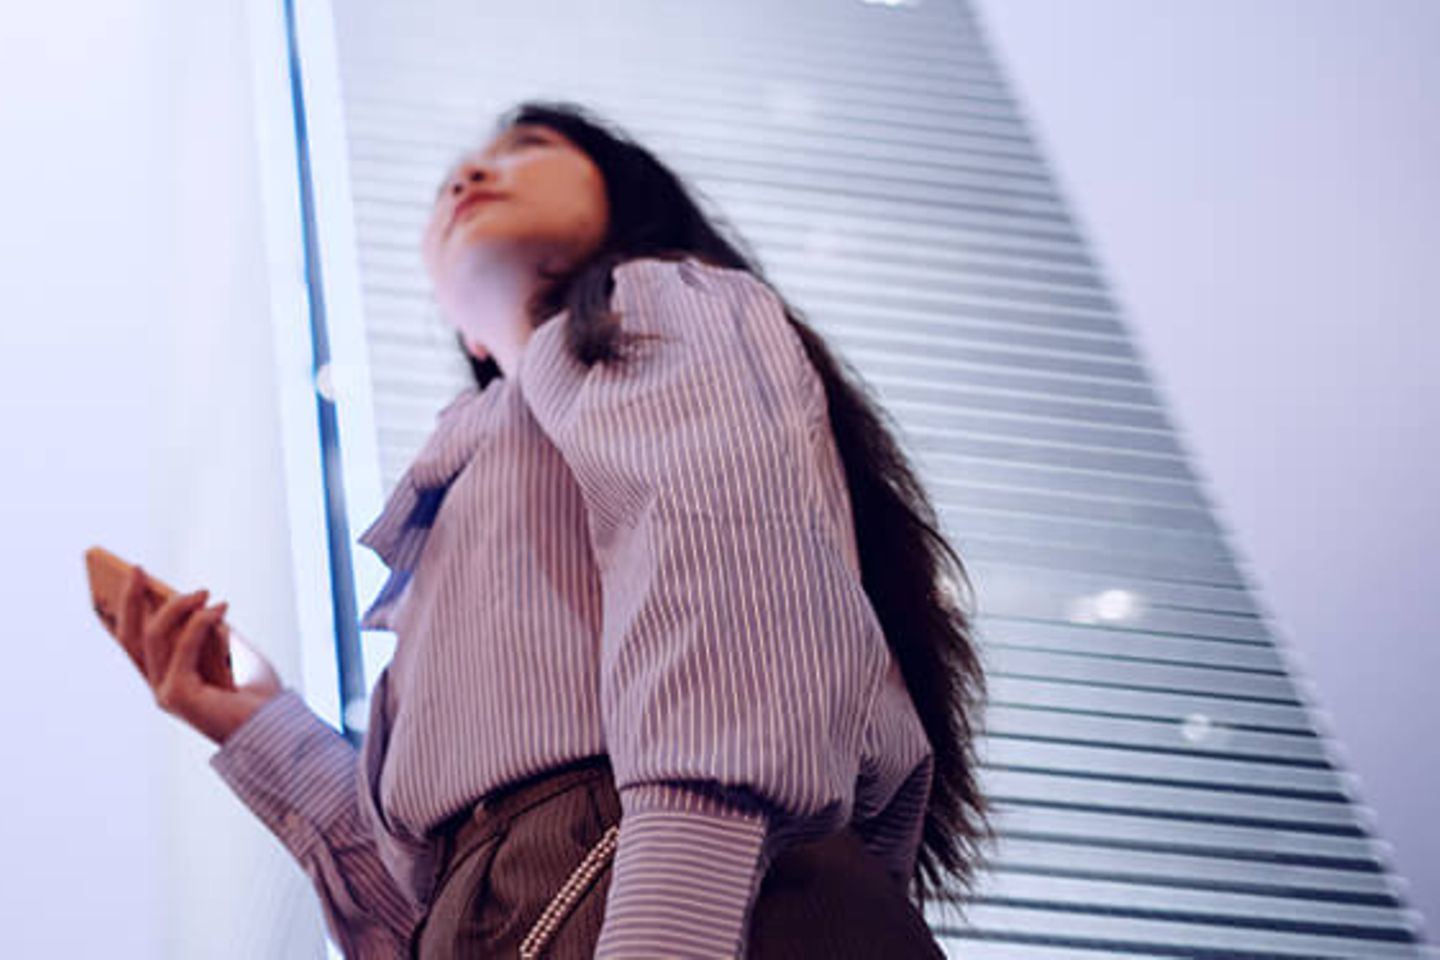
(137, 378)
(1259, 178)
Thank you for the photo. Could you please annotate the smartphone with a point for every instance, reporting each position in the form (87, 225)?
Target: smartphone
(108, 575)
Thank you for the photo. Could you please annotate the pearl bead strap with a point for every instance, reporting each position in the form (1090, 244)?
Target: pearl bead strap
(570, 892)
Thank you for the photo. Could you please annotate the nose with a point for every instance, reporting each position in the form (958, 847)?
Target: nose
(469, 173)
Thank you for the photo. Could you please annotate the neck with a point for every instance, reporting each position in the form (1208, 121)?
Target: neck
(488, 303)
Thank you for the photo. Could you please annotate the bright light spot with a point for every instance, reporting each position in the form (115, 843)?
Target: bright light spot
(1107, 606)
(1200, 728)
(1195, 727)
(324, 385)
(1115, 605)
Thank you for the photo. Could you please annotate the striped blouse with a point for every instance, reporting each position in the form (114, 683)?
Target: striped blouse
(653, 561)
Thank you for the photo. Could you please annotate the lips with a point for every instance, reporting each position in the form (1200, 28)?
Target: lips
(472, 200)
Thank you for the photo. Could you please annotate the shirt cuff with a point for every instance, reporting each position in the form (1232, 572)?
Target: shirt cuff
(294, 771)
(687, 869)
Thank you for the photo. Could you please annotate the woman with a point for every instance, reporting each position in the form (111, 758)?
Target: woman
(677, 670)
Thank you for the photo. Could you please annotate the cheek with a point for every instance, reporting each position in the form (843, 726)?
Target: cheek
(577, 195)
(587, 214)
(599, 210)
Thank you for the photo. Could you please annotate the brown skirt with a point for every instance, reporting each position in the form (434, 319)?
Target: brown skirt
(542, 847)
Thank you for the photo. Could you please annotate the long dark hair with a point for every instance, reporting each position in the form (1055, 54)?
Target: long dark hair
(910, 573)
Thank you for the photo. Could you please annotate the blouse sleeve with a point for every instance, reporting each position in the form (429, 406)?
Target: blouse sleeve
(739, 656)
(298, 776)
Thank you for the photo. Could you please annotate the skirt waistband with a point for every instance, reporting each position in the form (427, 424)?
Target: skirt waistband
(502, 804)
(497, 808)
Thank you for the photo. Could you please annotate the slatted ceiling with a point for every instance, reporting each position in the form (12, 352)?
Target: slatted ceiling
(1162, 791)
(1166, 852)
(918, 161)
(1158, 868)
(1135, 797)
(938, 287)
(1125, 546)
(1086, 375)
(1135, 733)
(1152, 647)
(995, 422)
(1262, 780)
(1211, 716)
(922, 163)
(859, 92)
(846, 175)
(1217, 713)
(1176, 638)
(826, 236)
(957, 487)
(1039, 593)
(982, 950)
(803, 244)
(960, 442)
(1241, 908)
(910, 68)
(935, 273)
(1138, 646)
(945, 467)
(1134, 643)
(1064, 505)
(1205, 679)
(1119, 929)
(909, 217)
(986, 369)
(999, 486)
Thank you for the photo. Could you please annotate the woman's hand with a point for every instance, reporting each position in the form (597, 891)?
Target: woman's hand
(170, 641)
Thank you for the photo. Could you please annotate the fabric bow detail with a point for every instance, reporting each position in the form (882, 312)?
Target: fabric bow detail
(398, 535)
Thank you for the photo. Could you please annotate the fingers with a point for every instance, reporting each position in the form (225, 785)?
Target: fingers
(184, 667)
(132, 615)
(158, 638)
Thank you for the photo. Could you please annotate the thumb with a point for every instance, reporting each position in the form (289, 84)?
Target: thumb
(198, 630)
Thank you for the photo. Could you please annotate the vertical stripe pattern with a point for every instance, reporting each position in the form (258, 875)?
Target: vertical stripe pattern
(653, 561)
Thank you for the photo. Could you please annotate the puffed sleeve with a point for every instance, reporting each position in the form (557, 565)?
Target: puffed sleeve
(739, 656)
(298, 776)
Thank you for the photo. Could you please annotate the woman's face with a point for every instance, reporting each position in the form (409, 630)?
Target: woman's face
(529, 199)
